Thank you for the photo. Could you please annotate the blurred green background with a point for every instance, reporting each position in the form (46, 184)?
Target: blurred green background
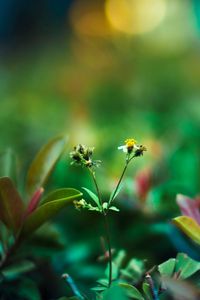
(100, 72)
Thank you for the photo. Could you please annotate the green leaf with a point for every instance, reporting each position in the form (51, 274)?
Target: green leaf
(99, 288)
(116, 194)
(167, 268)
(11, 205)
(134, 270)
(28, 289)
(62, 193)
(103, 281)
(114, 292)
(43, 164)
(115, 271)
(131, 291)
(13, 271)
(8, 164)
(114, 208)
(147, 291)
(120, 258)
(93, 196)
(186, 266)
(189, 226)
(49, 209)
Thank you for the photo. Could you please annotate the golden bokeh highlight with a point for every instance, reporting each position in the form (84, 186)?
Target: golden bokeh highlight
(88, 18)
(135, 16)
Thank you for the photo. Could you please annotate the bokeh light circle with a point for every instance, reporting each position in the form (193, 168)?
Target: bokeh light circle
(135, 16)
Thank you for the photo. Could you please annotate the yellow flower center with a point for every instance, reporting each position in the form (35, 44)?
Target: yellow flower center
(130, 143)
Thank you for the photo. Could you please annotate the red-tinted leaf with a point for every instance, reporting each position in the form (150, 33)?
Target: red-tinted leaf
(11, 205)
(189, 207)
(34, 201)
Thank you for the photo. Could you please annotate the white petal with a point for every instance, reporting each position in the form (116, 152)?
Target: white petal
(121, 147)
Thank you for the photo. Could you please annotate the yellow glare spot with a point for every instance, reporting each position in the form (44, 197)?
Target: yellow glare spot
(135, 16)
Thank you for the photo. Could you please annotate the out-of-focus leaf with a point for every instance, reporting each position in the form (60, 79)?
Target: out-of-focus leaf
(93, 196)
(134, 270)
(11, 205)
(34, 201)
(27, 289)
(115, 271)
(119, 258)
(8, 164)
(167, 268)
(62, 193)
(13, 271)
(131, 291)
(180, 289)
(114, 208)
(103, 282)
(99, 288)
(46, 241)
(43, 164)
(189, 207)
(147, 291)
(186, 266)
(114, 292)
(48, 210)
(189, 226)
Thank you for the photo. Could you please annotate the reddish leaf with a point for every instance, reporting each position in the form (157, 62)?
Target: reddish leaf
(11, 205)
(189, 207)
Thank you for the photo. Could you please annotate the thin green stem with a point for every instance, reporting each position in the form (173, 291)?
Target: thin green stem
(106, 224)
(121, 177)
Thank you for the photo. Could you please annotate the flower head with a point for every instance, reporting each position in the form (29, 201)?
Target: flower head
(140, 150)
(82, 155)
(80, 204)
(130, 145)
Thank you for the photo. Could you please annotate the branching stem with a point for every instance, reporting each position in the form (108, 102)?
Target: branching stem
(106, 224)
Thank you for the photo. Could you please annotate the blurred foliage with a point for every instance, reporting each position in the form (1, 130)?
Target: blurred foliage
(65, 69)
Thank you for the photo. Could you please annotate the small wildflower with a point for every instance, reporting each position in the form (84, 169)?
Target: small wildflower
(82, 155)
(130, 145)
(80, 204)
(140, 150)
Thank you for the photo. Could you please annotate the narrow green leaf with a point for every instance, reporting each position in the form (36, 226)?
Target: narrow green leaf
(131, 291)
(189, 226)
(167, 268)
(120, 258)
(99, 288)
(59, 194)
(186, 266)
(48, 210)
(43, 164)
(115, 271)
(103, 281)
(114, 208)
(15, 270)
(93, 196)
(147, 291)
(11, 205)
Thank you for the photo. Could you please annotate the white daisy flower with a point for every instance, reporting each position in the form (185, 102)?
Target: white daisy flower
(130, 144)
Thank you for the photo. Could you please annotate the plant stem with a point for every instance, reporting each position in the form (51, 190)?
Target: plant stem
(106, 224)
(121, 177)
(119, 182)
